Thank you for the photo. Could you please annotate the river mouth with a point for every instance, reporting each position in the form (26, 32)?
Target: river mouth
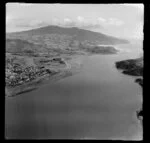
(97, 103)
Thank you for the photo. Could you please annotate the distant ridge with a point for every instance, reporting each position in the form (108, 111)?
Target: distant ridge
(77, 33)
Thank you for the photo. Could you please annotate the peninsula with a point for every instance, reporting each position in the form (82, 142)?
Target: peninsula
(133, 67)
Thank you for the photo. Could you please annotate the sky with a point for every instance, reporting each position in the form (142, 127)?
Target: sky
(119, 20)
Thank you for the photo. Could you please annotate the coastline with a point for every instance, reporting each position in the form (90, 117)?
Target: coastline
(71, 67)
(72, 59)
(133, 67)
(40, 81)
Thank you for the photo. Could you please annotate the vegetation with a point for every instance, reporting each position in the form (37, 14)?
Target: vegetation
(131, 67)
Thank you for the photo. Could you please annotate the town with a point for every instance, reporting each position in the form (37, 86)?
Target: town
(17, 74)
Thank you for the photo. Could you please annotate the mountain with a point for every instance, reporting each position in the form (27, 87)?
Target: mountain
(77, 34)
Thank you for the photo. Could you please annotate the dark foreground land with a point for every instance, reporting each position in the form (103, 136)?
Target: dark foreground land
(133, 67)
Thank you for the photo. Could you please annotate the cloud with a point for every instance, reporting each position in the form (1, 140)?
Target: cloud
(80, 19)
(81, 22)
(115, 21)
(27, 23)
(100, 19)
(24, 23)
(37, 23)
(55, 21)
(110, 21)
(67, 20)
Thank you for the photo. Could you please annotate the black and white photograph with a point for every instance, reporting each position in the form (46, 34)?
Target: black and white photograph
(74, 71)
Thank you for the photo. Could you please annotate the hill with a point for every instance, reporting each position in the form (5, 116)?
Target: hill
(74, 33)
(16, 46)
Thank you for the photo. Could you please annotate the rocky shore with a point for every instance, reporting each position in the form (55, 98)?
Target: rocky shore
(133, 67)
(139, 81)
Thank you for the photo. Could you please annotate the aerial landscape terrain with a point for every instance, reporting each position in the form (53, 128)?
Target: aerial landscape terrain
(35, 54)
(74, 74)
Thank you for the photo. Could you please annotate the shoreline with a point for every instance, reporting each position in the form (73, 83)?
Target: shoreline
(40, 81)
(133, 67)
(33, 85)
(71, 67)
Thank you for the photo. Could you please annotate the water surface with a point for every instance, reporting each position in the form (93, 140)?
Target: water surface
(99, 102)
